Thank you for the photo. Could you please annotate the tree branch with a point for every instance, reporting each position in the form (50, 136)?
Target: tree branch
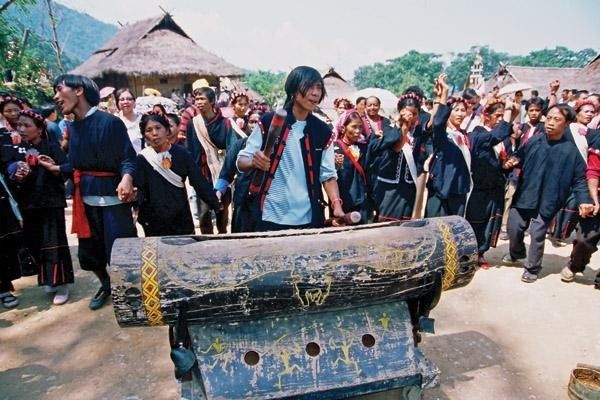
(4, 6)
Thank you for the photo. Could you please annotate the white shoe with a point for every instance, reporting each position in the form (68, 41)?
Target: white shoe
(61, 296)
(49, 289)
(566, 275)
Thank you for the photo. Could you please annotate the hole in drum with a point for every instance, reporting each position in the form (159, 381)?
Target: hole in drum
(368, 340)
(313, 349)
(464, 259)
(251, 357)
(133, 297)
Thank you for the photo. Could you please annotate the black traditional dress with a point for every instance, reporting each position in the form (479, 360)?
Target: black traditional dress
(394, 181)
(486, 203)
(450, 170)
(163, 203)
(41, 197)
(351, 178)
(10, 238)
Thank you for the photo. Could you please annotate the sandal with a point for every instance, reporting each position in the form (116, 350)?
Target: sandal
(9, 301)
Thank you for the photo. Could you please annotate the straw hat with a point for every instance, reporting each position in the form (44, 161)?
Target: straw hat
(151, 92)
(106, 91)
(200, 83)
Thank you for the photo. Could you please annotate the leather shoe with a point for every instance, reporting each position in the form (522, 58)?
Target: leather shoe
(99, 299)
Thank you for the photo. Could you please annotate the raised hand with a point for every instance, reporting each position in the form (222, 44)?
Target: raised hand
(440, 87)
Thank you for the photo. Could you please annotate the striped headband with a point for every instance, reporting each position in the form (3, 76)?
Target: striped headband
(11, 99)
(580, 103)
(32, 114)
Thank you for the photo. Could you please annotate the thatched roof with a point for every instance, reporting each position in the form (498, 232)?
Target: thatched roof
(589, 77)
(156, 46)
(538, 77)
(336, 86)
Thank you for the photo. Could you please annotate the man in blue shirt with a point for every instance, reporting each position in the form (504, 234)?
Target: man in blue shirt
(551, 169)
(102, 161)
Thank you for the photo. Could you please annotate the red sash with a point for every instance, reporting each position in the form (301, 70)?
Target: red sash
(81, 225)
(348, 154)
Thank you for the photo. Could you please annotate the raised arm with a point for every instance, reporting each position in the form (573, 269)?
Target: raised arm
(440, 91)
(552, 97)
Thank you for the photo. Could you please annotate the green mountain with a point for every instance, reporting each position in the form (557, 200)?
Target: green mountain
(79, 34)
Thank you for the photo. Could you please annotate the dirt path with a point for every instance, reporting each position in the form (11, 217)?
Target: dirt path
(498, 338)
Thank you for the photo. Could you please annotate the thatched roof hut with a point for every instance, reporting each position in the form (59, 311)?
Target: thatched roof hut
(589, 77)
(155, 53)
(538, 78)
(336, 86)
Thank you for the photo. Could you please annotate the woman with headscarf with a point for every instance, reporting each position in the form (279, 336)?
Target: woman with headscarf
(41, 197)
(350, 156)
(240, 102)
(486, 203)
(10, 107)
(396, 155)
(161, 171)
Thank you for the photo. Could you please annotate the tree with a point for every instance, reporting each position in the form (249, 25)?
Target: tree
(557, 57)
(55, 43)
(270, 85)
(561, 57)
(397, 74)
(23, 72)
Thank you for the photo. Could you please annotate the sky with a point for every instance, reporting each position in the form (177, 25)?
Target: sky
(279, 35)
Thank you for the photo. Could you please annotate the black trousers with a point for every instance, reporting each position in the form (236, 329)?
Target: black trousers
(518, 222)
(585, 244)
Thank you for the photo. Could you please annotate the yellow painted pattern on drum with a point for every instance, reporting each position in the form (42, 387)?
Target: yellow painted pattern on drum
(150, 282)
(450, 257)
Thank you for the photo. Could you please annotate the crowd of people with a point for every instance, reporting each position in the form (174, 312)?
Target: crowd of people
(507, 165)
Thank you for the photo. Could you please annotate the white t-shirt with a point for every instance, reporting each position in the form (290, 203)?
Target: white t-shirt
(133, 130)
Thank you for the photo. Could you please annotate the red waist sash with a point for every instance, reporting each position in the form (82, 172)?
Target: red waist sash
(81, 225)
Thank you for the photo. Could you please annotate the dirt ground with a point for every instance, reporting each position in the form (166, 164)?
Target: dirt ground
(497, 338)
